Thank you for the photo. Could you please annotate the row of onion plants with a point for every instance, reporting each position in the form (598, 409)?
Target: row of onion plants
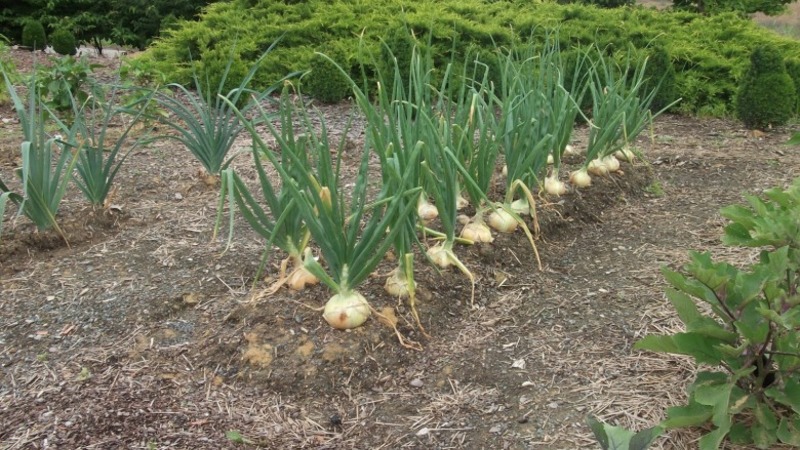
(434, 140)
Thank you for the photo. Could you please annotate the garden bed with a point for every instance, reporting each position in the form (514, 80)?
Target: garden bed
(145, 332)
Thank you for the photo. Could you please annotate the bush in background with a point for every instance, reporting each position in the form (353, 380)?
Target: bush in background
(33, 35)
(793, 68)
(325, 81)
(709, 54)
(64, 42)
(767, 95)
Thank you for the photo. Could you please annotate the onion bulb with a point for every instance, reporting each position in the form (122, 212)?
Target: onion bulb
(346, 310)
(438, 254)
(502, 221)
(300, 277)
(426, 211)
(550, 159)
(598, 167)
(625, 154)
(554, 186)
(477, 231)
(570, 150)
(521, 206)
(505, 170)
(612, 163)
(580, 178)
(461, 202)
(397, 285)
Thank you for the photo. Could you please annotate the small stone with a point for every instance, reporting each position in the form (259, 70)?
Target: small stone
(496, 429)
(423, 431)
(522, 419)
(552, 405)
(178, 196)
(416, 382)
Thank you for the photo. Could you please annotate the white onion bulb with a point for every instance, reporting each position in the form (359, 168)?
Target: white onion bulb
(554, 186)
(521, 206)
(439, 256)
(477, 231)
(396, 285)
(598, 167)
(611, 163)
(502, 221)
(580, 178)
(426, 211)
(346, 311)
(625, 155)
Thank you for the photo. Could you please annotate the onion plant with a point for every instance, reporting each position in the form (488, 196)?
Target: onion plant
(524, 139)
(281, 223)
(480, 156)
(204, 121)
(620, 111)
(351, 249)
(45, 171)
(99, 157)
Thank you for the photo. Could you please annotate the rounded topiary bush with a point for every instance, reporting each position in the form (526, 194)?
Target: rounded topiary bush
(64, 42)
(325, 82)
(33, 35)
(767, 94)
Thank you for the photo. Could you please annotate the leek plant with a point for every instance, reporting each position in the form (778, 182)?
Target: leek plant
(351, 249)
(45, 173)
(98, 159)
(282, 225)
(5, 196)
(204, 121)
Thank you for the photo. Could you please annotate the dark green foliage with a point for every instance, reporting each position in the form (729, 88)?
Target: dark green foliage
(767, 95)
(744, 7)
(746, 330)
(601, 3)
(64, 42)
(793, 68)
(126, 22)
(66, 81)
(660, 73)
(325, 81)
(33, 35)
(709, 54)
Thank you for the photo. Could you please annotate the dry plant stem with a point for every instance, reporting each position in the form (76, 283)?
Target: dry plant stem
(413, 345)
(412, 291)
(518, 184)
(450, 257)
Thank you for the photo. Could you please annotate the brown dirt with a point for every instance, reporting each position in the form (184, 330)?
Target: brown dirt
(141, 334)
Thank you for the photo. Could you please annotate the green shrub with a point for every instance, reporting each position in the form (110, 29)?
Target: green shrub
(33, 35)
(709, 54)
(325, 82)
(767, 94)
(64, 42)
(793, 68)
(660, 73)
(745, 331)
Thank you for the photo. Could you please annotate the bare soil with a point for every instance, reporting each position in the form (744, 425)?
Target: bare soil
(143, 332)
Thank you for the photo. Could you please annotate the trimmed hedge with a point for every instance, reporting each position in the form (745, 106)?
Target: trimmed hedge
(709, 54)
(767, 96)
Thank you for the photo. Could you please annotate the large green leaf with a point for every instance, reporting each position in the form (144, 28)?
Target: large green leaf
(691, 415)
(789, 431)
(617, 438)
